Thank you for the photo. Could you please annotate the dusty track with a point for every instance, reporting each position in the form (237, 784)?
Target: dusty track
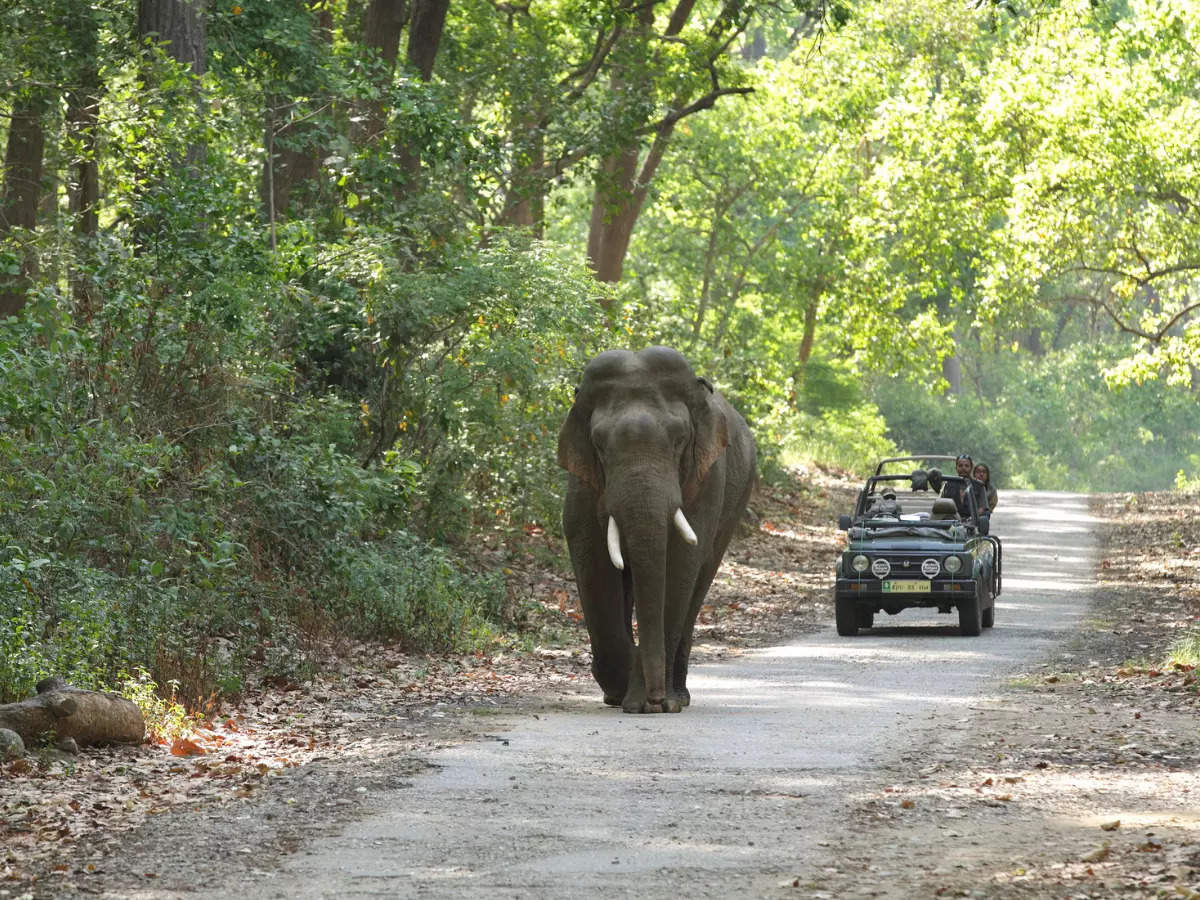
(906, 762)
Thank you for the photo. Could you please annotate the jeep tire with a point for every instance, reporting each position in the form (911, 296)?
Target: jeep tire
(989, 614)
(970, 612)
(845, 613)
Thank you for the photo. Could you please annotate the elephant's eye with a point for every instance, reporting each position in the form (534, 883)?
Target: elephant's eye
(680, 432)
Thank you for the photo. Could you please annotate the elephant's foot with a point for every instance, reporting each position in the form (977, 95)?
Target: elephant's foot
(684, 697)
(666, 705)
(610, 700)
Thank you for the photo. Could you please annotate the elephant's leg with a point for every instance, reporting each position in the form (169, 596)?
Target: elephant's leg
(683, 652)
(606, 612)
(731, 515)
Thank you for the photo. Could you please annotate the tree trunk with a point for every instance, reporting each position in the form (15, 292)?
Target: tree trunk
(383, 22)
(180, 27)
(425, 27)
(621, 186)
(952, 372)
(425, 34)
(613, 214)
(22, 191)
(710, 271)
(804, 352)
(810, 331)
(88, 717)
(525, 196)
(615, 198)
(1031, 340)
(83, 190)
(180, 24)
(293, 151)
(756, 47)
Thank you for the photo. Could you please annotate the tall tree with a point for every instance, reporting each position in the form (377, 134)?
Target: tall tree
(383, 25)
(624, 175)
(286, 51)
(21, 192)
(426, 24)
(83, 99)
(181, 28)
(180, 25)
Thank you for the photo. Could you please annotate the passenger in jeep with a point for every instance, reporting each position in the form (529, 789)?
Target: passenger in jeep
(983, 475)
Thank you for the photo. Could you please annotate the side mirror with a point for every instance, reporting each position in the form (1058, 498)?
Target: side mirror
(985, 524)
(843, 523)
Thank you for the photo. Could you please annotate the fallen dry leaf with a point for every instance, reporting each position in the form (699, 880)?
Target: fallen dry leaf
(186, 747)
(1099, 854)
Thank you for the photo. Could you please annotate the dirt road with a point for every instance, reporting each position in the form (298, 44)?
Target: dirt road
(905, 762)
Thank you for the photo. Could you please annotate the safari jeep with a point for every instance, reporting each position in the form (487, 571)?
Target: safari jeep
(912, 544)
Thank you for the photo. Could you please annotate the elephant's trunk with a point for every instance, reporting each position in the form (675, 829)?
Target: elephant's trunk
(614, 536)
(646, 543)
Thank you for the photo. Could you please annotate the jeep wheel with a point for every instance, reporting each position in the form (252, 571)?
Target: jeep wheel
(866, 617)
(845, 613)
(989, 615)
(970, 614)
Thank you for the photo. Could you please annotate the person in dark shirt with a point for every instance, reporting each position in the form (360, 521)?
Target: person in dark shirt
(964, 466)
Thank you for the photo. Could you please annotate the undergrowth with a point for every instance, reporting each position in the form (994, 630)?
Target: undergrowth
(226, 487)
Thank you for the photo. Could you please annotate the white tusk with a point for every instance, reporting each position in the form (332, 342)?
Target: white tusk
(685, 529)
(614, 544)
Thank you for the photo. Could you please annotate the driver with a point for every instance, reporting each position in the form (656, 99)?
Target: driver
(964, 467)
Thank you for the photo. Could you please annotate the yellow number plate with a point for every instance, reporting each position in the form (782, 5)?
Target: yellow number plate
(906, 587)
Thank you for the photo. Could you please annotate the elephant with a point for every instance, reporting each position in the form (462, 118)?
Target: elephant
(660, 470)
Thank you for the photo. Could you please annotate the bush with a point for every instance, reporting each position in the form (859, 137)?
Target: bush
(406, 590)
(200, 485)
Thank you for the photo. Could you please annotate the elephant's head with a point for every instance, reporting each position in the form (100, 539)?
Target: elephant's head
(643, 434)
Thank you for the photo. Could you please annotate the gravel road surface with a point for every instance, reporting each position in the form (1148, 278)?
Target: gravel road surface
(739, 795)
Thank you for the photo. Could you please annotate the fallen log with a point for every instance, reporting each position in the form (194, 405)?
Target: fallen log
(61, 712)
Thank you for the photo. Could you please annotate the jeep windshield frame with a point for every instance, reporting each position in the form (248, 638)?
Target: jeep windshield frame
(871, 511)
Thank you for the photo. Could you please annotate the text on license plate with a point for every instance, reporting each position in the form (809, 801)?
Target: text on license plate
(906, 587)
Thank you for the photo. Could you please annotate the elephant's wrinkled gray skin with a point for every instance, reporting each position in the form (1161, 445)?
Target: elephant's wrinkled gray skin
(645, 439)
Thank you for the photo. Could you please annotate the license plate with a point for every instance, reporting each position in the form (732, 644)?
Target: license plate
(906, 587)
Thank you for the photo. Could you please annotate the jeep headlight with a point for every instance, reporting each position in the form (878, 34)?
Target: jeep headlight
(860, 563)
(953, 564)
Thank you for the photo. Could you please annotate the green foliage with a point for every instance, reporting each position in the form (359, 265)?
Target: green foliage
(263, 407)
(853, 439)
(182, 497)
(404, 590)
(1057, 426)
(463, 370)
(920, 421)
(1185, 651)
(166, 718)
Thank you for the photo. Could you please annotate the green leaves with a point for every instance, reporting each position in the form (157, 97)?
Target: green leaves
(1102, 211)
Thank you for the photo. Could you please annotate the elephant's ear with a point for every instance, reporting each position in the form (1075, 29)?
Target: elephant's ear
(711, 437)
(575, 451)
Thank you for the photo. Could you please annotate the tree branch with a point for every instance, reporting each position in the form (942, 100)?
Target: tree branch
(1155, 337)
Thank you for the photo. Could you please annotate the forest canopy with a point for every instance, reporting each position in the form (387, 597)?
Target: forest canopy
(294, 292)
